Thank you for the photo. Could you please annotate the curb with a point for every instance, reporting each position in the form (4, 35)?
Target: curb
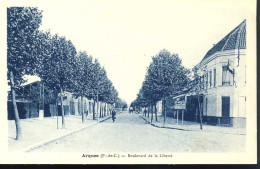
(46, 141)
(164, 126)
(184, 129)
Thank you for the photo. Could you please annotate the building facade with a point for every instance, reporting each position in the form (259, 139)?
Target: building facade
(30, 108)
(223, 75)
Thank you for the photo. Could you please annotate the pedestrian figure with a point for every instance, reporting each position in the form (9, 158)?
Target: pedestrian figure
(86, 112)
(113, 115)
(145, 112)
(131, 110)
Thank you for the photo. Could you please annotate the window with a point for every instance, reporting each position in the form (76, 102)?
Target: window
(225, 76)
(210, 79)
(203, 82)
(215, 77)
(206, 81)
(206, 107)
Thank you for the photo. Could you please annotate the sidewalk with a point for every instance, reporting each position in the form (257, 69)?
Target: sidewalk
(171, 123)
(37, 132)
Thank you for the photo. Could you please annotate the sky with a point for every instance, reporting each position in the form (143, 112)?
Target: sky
(124, 35)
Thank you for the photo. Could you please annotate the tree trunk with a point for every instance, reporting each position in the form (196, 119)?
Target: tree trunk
(16, 115)
(105, 110)
(164, 110)
(100, 110)
(89, 108)
(57, 113)
(62, 108)
(200, 114)
(152, 115)
(82, 111)
(97, 106)
(155, 113)
(148, 112)
(93, 110)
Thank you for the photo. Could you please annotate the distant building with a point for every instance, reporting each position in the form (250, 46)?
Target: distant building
(223, 73)
(29, 108)
(159, 107)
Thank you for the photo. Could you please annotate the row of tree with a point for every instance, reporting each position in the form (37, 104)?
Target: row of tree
(120, 104)
(55, 60)
(165, 76)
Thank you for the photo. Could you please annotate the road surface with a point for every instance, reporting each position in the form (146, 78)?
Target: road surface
(130, 133)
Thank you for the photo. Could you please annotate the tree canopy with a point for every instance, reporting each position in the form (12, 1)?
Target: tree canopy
(22, 31)
(165, 76)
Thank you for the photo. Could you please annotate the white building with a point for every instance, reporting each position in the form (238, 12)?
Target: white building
(159, 107)
(223, 73)
(72, 105)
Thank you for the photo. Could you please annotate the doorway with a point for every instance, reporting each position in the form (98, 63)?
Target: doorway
(226, 106)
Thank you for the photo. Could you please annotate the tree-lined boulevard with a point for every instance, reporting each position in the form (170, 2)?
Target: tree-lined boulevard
(55, 60)
(63, 69)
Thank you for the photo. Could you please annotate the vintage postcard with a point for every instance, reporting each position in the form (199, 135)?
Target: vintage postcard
(128, 82)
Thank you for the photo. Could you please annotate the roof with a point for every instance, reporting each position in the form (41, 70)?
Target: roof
(236, 39)
(30, 80)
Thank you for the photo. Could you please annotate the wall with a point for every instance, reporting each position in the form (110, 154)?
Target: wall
(25, 110)
(236, 91)
(50, 110)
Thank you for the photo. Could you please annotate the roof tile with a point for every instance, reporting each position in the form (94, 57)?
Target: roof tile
(234, 40)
